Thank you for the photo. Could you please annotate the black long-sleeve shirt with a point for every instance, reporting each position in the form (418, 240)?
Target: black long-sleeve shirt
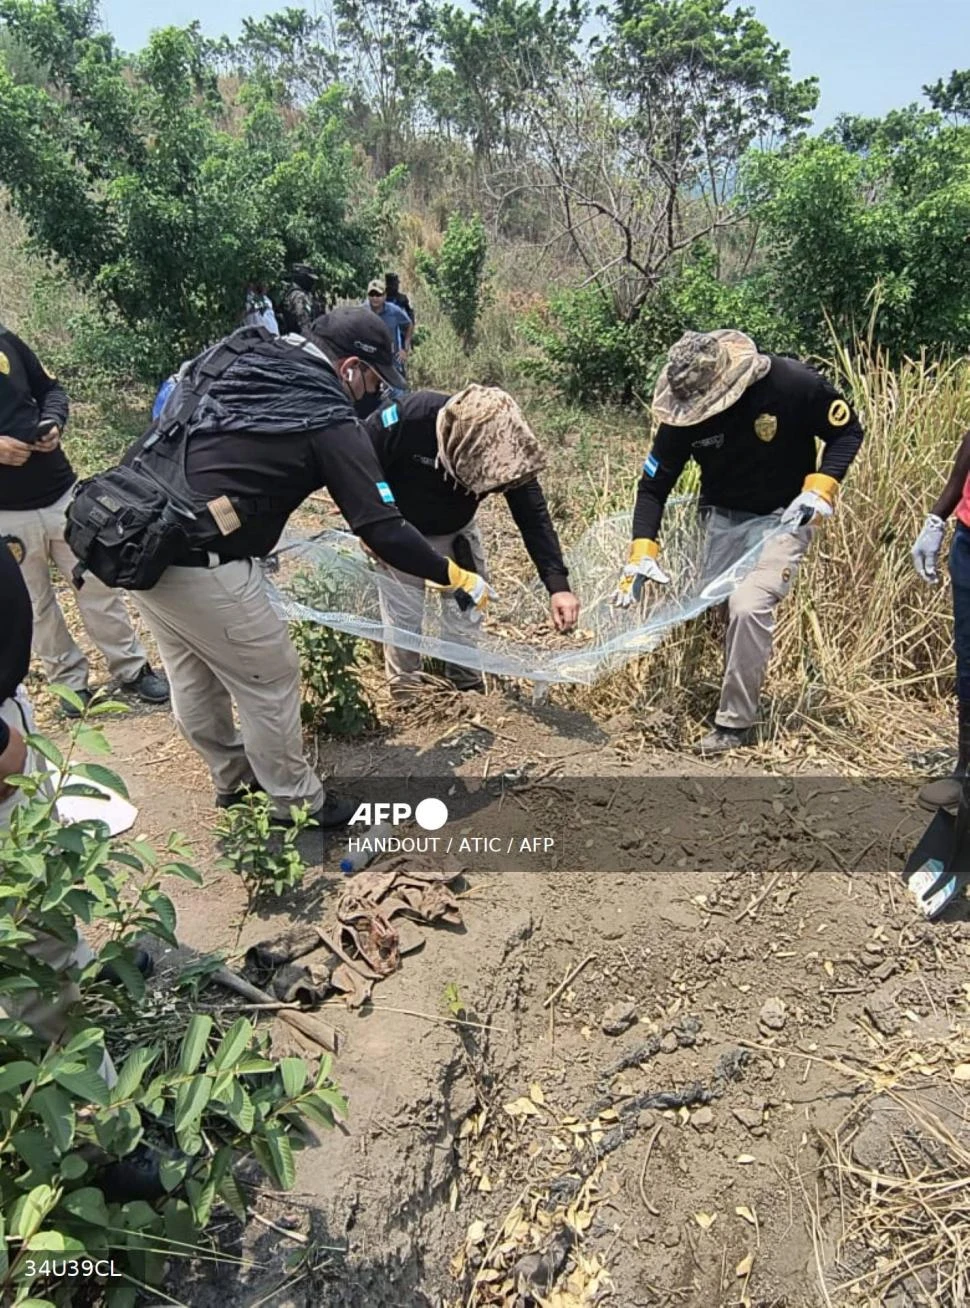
(29, 396)
(404, 438)
(18, 624)
(755, 456)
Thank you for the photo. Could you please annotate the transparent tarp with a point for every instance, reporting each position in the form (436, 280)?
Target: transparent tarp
(331, 580)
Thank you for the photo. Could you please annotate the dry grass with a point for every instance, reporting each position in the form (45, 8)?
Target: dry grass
(898, 1207)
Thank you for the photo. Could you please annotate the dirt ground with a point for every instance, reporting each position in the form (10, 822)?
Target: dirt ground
(619, 1081)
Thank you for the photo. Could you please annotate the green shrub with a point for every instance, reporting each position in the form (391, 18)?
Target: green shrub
(334, 700)
(457, 275)
(202, 1105)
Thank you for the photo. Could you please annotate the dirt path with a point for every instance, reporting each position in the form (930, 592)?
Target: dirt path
(732, 940)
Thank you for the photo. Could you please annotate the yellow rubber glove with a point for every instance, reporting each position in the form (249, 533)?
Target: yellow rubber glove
(641, 566)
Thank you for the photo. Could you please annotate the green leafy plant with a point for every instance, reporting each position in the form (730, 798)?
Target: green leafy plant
(334, 699)
(201, 1107)
(457, 275)
(263, 856)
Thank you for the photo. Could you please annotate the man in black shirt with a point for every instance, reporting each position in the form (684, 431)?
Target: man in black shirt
(222, 642)
(36, 480)
(394, 294)
(406, 438)
(750, 421)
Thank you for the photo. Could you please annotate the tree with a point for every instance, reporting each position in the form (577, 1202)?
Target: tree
(640, 149)
(951, 97)
(494, 56)
(295, 52)
(161, 196)
(385, 47)
(873, 232)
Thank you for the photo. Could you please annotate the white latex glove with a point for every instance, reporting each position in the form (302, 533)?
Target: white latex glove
(805, 509)
(926, 549)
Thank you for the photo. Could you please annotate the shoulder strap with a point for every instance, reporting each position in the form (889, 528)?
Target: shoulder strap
(209, 372)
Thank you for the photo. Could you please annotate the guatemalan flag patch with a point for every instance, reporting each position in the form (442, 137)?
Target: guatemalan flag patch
(389, 416)
(651, 465)
(385, 492)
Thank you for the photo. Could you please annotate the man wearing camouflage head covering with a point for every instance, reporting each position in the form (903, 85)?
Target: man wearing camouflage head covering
(750, 421)
(441, 455)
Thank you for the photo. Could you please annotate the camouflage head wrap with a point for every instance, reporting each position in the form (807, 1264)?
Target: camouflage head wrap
(485, 443)
(706, 373)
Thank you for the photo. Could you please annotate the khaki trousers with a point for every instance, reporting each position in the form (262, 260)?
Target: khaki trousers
(751, 613)
(102, 610)
(223, 644)
(402, 605)
(47, 1017)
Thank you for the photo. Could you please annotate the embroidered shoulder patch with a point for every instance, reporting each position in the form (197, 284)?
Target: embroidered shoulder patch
(838, 413)
(385, 492)
(389, 416)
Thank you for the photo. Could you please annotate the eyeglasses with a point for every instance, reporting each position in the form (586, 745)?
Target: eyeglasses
(375, 295)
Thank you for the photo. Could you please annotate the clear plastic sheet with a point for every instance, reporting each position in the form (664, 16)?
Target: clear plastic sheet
(329, 579)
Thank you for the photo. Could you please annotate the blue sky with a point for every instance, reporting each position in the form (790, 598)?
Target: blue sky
(870, 55)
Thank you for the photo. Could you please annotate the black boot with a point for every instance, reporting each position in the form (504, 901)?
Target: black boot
(945, 793)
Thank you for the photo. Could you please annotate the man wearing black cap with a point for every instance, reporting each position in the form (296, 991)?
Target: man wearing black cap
(223, 644)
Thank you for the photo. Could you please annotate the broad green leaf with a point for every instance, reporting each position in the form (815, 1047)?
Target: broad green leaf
(55, 1242)
(47, 749)
(282, 1154)
(294, 1072)
(234, 1042)
(72, 1167)
(84, 1085)
(106, 706)
(240, 1109)
(30, 1210)
(103, 776)
(173, 1171)
(190, 1101)
(93, 740)
(194, 1041)
(56, 1111)
(14, 1075)
(34, 1146)
(231, 1194)
(132, 1073)
(88, 1204)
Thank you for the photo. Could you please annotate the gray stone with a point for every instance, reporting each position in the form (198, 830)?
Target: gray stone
(773, 1014)
(618, 1018)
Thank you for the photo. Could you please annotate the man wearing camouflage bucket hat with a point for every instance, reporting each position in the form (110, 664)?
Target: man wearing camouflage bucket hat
(441, 456)
(750, 421)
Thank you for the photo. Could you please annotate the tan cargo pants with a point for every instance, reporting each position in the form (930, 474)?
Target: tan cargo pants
(103, 612)
(45, 1016)
(751, 614)
(402, 605)
(223, 644)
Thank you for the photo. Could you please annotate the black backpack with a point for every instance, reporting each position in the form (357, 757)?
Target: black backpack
(128, 524)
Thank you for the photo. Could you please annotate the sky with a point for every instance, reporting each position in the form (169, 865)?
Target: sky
(869, 55)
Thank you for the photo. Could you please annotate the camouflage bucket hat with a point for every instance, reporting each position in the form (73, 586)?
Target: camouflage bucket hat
(706, 372)
(485, 443)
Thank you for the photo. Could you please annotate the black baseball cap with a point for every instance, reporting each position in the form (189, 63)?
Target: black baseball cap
(357, 331)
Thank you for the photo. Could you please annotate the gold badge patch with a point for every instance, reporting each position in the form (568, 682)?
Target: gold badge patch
(4, 364)
(838, 413)
(16, 547)
(765, 426)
